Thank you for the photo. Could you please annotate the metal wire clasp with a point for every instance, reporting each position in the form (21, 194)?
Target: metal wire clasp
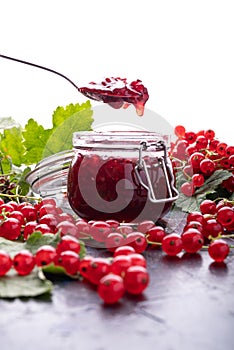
(173, 194)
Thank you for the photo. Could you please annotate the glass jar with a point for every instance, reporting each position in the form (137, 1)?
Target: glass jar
(49, 178)
(121, 175)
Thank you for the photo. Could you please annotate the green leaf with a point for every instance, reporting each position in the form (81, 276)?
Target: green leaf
(40, 143)
(37, 239)
(67, 121)
(11, 247)
(6, 164)
(189, 204)
(61, 113)
(35, 141)
(213, 181)
(11, 144)
(14, 286)
(22, 183)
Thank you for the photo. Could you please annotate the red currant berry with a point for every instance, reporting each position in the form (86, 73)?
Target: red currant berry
(195, 216)
(198, 180)
(181, 147)
(136, 279)
(50, 220)
(138, 241)
(113, 223)
(207, 167)
(192, 240)
(137, 260)
(45, 255)
(98, 268)
(68, 242)
(5, 262)
(229, 151)
(210, 134)
(83, 229)
(212, 228)
(190, 137)
(225, 216)
(156, 234)
(179, 131)
(124, 250)
(213, 145)
(145, 225)
(172, 244)
(124, 229)
(69, 260)
(195, 160)
(67, 228)
(218, 250)
(113, 241)
(99, 230)
(201, 142)
(194, 224)
(187, 188)
(17, 215)
(84, 266)
(120, 264)
(208, 207)
(111, 288)
(221, 148)
(24, 262)
(29, 228)
(29, 212)
(10, 228)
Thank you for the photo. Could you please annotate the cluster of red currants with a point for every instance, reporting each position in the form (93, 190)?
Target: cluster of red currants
(202, 154)
(113, 277)
(65, 255)
(212, 224)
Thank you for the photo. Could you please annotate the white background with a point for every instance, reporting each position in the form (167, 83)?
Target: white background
(182, 50)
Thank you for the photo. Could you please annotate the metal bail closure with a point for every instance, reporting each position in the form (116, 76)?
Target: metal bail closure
(173, 194)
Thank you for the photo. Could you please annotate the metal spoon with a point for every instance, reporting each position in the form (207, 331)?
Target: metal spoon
(114, 91)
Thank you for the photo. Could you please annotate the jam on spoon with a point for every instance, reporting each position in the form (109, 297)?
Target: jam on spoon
(116, 92)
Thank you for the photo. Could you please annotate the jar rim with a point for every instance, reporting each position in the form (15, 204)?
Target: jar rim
(116, 138)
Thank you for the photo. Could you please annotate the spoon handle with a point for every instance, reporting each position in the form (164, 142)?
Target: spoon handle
(41, 67)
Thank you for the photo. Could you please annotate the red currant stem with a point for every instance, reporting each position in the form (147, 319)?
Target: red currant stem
(5, 214)
(19, 196)
(153, 243)
(226, 200)
(183, 163)
(88, 236)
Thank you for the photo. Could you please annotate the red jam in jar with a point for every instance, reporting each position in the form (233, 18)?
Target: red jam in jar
(121, 175)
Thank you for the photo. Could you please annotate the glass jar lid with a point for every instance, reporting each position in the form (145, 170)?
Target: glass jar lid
(117, 139)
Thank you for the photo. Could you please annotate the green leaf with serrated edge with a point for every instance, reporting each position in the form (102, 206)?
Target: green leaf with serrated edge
(12, 144)
(61, 113)
(35, 141)
(189, 204)
(11, 247)
(213, 181)
(22, 183)
(5, 165)
(61, 137)
(37, 239)
(14, 286)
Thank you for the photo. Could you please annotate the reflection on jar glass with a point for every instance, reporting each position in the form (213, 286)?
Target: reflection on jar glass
(121, 175)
